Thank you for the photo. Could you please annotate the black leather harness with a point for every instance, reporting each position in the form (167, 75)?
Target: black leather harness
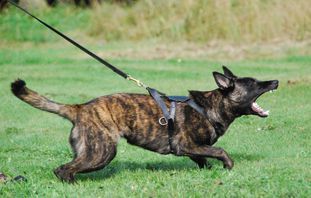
(169, 115)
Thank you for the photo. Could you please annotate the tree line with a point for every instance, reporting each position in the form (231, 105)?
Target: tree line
(85, 3)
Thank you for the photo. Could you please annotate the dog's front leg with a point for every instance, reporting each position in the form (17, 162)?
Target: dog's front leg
(209, 151)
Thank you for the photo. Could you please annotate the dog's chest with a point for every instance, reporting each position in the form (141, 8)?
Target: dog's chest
(192, 127)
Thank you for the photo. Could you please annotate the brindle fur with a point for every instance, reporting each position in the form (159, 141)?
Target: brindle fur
(99, 124)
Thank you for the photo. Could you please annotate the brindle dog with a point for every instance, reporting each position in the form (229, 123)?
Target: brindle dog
(99, 124)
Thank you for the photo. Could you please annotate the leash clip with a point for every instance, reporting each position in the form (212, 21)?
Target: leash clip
(163, 121)
(139, 84)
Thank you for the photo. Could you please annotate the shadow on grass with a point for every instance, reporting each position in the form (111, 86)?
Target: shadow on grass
(118, 166)
(240, 157)
(170, 165)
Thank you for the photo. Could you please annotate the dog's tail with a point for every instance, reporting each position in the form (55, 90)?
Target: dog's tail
(31, 97)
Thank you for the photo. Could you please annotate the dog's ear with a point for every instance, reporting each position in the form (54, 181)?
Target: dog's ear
(228, 73)
(222, 81)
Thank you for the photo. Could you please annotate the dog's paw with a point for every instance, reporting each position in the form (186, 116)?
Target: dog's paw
(63, 175)
(228, 164)
(18, 86)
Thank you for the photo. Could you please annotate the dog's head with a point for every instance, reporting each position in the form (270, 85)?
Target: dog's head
(242, 92)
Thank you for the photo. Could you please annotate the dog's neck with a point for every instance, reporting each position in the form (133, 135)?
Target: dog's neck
(219, 112)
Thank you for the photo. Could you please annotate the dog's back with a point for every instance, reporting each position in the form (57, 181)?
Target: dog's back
(132, 116)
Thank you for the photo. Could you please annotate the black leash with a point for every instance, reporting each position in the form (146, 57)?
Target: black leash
(110, 66)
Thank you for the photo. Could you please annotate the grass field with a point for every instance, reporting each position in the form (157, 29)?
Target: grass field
(272, 156)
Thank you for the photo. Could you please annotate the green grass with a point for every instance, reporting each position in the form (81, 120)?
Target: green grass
(272, 156)
(16, 25)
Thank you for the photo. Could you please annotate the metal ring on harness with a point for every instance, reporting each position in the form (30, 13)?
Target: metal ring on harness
(163, 121)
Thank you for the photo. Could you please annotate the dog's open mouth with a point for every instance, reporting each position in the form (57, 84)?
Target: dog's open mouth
(258, 110)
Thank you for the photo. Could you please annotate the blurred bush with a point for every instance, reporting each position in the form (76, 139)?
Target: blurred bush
(204, 20)
(4, 3)
(236, 21)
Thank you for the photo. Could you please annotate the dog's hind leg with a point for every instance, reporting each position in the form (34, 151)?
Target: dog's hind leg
(83, 164)
(201, 162)
(93, 150)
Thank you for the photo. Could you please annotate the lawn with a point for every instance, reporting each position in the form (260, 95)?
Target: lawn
(272, 155)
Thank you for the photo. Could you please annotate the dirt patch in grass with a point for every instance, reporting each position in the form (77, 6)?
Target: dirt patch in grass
(212, 50)
(152, 50)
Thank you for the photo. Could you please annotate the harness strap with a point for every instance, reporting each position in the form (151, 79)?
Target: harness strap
(200, 110)
(157, 97)
(170, 124)
(172, 109)
(196, 107)
(168, 115)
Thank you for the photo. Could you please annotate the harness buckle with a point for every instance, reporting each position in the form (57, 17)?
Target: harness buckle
(163, 121)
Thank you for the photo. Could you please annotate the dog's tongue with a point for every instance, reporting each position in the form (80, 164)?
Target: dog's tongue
(259, 110)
